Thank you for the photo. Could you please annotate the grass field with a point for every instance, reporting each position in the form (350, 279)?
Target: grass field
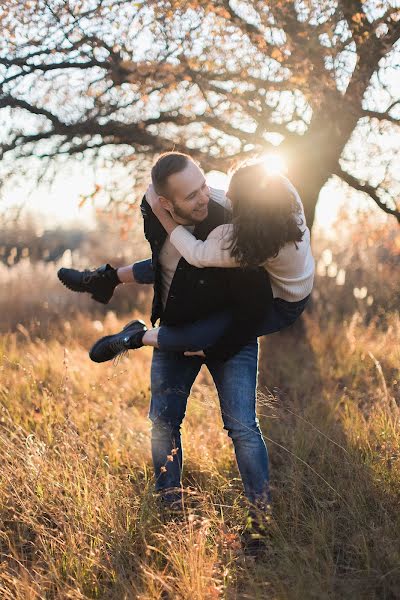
(78, 514)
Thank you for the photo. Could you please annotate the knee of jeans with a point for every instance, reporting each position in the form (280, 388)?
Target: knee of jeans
(242, 432)
(164, 429)
(166, 410)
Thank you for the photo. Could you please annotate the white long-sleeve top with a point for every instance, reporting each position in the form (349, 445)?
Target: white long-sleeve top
(291, 272)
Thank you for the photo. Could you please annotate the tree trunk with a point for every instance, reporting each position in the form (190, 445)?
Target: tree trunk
(314, 156)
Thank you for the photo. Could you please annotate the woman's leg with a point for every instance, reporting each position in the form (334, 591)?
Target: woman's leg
(193, 336)
(204, 333)
(281, 314)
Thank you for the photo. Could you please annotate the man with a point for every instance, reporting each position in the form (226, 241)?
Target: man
(183, 294)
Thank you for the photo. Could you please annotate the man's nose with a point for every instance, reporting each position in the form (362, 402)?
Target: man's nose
(205, 197)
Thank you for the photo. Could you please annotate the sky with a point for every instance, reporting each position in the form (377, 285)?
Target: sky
(59, 205)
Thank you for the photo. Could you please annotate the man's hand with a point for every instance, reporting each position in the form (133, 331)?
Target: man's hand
(197, 353)
(152, 197)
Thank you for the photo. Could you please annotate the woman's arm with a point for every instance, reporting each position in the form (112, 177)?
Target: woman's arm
(212, 252)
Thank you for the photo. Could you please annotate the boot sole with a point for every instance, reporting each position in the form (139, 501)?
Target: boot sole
(107, 337)
(75, 289)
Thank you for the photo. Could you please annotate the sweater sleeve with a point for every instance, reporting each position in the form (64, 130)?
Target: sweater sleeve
(212, 252)
(252, 299)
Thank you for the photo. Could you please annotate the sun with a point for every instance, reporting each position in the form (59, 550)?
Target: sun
(274, 164)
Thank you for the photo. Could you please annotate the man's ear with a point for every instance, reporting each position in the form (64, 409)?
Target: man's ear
(165, 203)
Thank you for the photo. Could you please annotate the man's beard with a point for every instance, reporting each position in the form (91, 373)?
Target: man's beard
(187, 218)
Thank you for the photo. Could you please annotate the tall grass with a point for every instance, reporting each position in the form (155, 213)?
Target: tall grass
(79, 517)
(30, 292)
(31, 296)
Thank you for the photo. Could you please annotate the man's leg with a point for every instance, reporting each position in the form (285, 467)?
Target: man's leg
(172, 376)
(236, 382)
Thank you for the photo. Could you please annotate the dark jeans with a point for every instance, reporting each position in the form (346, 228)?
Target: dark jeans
(205, 332)
(172, 376)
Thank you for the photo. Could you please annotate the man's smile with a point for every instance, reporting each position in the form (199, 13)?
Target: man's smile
(202, 210)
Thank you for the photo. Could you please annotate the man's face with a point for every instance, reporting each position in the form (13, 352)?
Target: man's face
(188, 196)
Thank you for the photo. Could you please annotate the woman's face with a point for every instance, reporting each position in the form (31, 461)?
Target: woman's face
(229, 196)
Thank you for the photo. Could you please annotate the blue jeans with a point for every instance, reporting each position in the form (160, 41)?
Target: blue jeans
(205, 332)
(172, 376)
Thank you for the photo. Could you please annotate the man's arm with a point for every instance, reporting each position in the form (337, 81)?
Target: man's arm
(252, 296)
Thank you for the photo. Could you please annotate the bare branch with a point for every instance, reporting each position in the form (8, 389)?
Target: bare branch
(353, 13)
(12, 102)
(214, 81)
(18, 62)
(382, 116)
(373, 192)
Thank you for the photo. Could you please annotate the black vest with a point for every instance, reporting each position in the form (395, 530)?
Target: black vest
(194, 293)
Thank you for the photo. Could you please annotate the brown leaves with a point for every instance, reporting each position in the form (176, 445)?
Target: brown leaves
(276, 54)
(358, 17)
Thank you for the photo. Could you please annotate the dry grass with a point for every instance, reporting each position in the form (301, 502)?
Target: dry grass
(79, 518)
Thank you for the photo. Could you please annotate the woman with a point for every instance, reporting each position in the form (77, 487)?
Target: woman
(268, 229)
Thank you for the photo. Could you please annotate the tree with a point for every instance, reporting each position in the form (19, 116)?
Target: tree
(225, 80)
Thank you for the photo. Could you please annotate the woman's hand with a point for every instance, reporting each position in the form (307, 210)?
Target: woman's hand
(152, 197)
(197, 353)
(162, 215)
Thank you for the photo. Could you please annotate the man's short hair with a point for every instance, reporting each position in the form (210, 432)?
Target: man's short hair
(167, 164)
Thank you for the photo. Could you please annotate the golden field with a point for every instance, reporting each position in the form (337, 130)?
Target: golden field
(79, 518)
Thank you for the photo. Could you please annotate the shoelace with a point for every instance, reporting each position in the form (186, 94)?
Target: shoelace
(119, 356)
(89, 275)
(118, 347)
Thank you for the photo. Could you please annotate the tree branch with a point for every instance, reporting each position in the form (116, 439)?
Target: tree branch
(12, 102)
(385, 116)
(367, 189)
(19, 62)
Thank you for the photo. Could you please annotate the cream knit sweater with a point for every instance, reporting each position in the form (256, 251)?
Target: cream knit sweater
(291, 271)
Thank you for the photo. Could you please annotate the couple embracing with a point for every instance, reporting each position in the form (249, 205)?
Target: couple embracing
(226, 269)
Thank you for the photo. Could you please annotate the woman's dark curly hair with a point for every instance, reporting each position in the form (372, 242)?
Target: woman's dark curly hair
(265, 215)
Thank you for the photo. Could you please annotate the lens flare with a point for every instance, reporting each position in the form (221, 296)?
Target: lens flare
(274, 164)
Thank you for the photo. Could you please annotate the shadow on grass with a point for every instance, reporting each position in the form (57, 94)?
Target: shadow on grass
(335, 527)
